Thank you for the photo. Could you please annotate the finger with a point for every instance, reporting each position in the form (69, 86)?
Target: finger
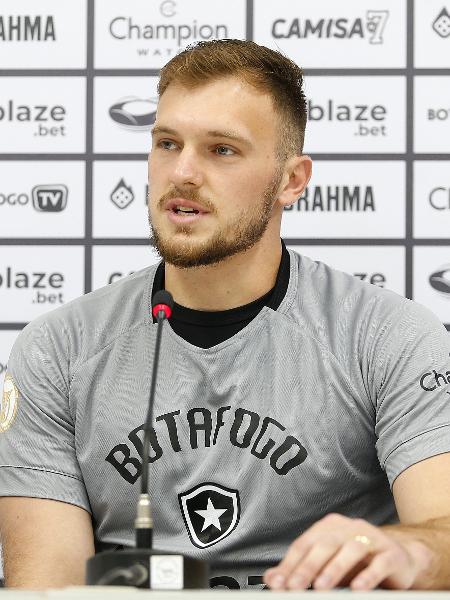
(313, 562)
(382, 565)
(341, 563)
(276, 577)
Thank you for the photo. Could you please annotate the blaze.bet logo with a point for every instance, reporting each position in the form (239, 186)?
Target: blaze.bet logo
(44, 198)
(365, 115)
(370, 27)
(45, 286)
(24, 28)
(133, 113)
(48, 119)
(441, 25)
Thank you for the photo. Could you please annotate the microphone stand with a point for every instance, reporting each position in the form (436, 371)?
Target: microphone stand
(143, 566)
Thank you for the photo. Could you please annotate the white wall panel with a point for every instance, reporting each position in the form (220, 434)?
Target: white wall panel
(356, 114)
(43, 34)
(42, 199)
(142, 34)
(350, 199)
(42, 114)
(36, 279)
(326, 33)
(111, 263)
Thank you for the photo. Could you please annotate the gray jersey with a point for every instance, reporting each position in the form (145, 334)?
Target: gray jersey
(313, 408)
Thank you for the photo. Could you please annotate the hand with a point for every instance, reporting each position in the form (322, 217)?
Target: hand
(338, 549)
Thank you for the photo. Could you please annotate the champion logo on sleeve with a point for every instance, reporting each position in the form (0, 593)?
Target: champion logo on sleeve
(10, 399)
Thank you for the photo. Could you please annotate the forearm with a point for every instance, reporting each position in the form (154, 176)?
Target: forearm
(31, 565)
(28, 573)
(45, 543)
(429, 544)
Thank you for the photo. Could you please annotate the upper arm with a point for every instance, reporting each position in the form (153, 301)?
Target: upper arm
(45, 542)
(422, 491)
(411, 371)
(44, 505)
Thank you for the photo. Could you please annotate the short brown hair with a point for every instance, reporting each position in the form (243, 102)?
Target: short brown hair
(265, 69)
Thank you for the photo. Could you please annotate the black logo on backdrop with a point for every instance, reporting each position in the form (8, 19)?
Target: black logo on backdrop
(133, 113)
(50, 198)
(440, 280)
(439, 198)
(25, 28)
(210, 512)
(44, 283)
(371, 27)
(122, 195)
(3, 368)
(438, 114)
(441, 24)
(335, 198)
(46, 198)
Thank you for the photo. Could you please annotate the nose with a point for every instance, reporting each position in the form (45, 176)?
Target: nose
(187, 169)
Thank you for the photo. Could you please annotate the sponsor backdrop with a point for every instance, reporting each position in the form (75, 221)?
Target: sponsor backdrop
(77, 101)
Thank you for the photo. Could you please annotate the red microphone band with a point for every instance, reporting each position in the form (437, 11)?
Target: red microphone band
(166, 309)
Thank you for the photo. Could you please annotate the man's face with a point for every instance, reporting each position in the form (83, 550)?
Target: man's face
(213, 150)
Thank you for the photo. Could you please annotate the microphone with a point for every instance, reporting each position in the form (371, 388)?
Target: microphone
(162, 305)
(143, 566)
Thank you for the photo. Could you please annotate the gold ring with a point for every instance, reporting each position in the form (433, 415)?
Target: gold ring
(363, 539)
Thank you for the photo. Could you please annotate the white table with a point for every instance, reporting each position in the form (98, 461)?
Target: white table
(124, 593)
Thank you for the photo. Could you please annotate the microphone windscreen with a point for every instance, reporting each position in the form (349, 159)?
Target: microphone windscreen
(163, 297)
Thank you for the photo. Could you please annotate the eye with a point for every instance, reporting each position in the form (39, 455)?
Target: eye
(166, 145)
(224, 151)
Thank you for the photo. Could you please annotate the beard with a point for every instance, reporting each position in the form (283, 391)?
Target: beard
(239, 235)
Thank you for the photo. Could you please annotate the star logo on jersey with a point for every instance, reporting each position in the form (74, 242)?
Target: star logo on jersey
(210, 512)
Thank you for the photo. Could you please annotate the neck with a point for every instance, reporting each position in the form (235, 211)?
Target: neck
(233, 282)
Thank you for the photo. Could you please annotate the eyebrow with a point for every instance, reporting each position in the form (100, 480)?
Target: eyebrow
(230, 135)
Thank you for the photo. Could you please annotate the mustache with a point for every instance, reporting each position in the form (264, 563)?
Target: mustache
(188, 194)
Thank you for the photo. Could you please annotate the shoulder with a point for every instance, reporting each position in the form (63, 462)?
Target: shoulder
(83, 326)
(335, 305)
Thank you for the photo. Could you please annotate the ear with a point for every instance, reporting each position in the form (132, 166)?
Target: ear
(297, 173)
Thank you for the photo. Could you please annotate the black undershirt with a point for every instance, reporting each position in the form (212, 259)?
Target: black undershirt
(209, 328)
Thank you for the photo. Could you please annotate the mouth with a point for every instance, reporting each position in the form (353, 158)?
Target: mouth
(181, 206)
(182, 211)
(182, 218)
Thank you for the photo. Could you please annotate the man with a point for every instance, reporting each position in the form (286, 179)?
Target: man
(300, 413)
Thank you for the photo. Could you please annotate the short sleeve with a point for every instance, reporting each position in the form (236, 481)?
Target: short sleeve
(37, 443)
(412, 374)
